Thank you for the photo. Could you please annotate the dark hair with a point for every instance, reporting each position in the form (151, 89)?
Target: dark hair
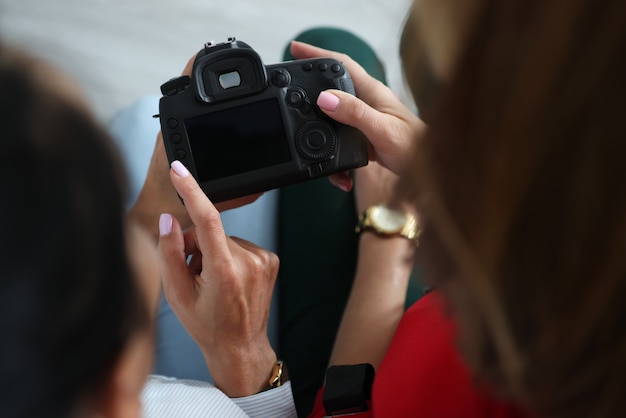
(523, 181)
(69, 300)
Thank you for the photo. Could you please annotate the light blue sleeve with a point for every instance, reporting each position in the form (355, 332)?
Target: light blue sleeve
(135, 130)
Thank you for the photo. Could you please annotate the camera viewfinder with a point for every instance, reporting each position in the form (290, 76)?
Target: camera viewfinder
(229, 79)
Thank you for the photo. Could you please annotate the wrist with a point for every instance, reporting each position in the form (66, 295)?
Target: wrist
(385, 250)
(391, 258)
(239, 374)
(279, 375)
(388, 222)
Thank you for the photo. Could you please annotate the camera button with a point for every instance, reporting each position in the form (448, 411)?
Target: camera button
(281, 78)
(316, 170)
(180, 153)
(322, 67)
(295, 97)
(172, 123)
(177, 138)
(306, 107)
(316, 140)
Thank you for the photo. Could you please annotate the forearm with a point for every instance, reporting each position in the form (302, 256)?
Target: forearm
(376, 302)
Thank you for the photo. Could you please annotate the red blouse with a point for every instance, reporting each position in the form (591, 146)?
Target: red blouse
(423, 375)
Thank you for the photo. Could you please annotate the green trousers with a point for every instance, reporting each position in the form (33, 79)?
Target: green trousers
(318, 250)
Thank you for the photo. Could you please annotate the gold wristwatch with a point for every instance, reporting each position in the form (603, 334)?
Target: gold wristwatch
(388, 222)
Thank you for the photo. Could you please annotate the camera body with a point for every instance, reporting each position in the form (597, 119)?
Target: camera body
(241, 127)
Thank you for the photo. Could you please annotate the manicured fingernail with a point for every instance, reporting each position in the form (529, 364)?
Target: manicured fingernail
(328, 101)
(346, 186)
(179, 169)
(165, 224)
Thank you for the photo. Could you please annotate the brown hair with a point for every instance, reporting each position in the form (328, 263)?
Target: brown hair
(523, 186)
(70, 301)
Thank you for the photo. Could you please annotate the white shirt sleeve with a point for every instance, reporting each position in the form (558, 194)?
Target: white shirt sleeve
(165, 397)
(275, 403)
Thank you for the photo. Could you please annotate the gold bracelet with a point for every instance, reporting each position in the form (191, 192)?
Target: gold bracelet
(279, 375)
(275, 380)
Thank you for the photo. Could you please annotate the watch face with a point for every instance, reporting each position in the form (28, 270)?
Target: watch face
(388, 220)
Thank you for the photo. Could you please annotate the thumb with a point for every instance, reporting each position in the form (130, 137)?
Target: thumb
(350, 110)
(391, 132)
(177, 280)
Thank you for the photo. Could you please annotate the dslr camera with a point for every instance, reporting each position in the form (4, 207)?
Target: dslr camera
(241, 127)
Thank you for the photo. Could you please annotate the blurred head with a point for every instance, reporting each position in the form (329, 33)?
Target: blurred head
(523, 186)
(74, 311)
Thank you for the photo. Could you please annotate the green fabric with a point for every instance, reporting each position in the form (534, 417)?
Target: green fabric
(318, 251)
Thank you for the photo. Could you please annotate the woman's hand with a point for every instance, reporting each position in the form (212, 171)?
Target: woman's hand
(222, 296)
(391, 127)
(375, 184)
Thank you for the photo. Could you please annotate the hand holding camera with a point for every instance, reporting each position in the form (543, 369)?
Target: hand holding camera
(241, 127)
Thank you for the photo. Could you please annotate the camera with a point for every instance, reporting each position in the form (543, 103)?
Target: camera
(241, 127)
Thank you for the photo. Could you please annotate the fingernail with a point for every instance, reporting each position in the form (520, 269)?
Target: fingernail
(346, 186)
(165, 224)
(328, 101)
(179, 169)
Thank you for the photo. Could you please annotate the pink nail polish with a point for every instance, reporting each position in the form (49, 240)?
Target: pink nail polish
(165, 224)
(328, 101)
(179, 169)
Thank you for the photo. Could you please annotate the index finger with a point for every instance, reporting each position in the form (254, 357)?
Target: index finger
(203, 214)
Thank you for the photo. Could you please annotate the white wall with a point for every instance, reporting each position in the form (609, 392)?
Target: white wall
(119, 50)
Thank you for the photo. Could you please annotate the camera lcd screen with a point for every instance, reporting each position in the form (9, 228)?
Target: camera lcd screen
(237, 140)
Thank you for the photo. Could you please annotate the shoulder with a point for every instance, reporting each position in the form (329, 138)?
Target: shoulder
(423, 372)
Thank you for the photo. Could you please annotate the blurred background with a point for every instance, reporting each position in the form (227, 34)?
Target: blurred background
(120, 50)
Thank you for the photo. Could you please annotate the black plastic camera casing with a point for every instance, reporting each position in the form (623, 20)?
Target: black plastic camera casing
(241, 127)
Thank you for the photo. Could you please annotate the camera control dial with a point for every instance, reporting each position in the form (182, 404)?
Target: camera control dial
(316, 140)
